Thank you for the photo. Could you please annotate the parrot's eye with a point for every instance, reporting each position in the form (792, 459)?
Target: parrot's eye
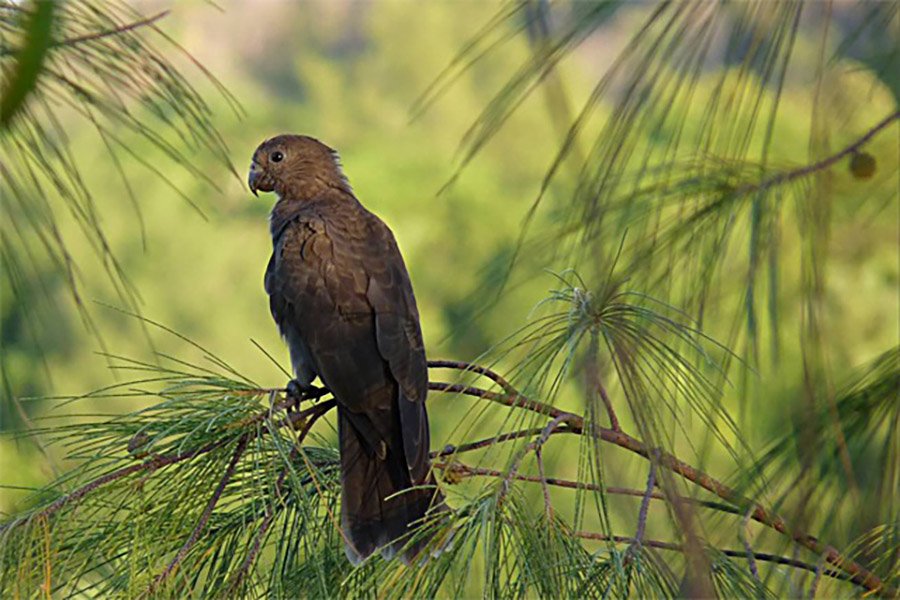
(277, 156)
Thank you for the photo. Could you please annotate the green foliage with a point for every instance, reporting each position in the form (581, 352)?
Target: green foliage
(29, 60)
(116, 542)
(92, 64)
(842, 451)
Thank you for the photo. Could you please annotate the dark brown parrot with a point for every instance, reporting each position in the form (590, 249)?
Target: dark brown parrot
(342, 299)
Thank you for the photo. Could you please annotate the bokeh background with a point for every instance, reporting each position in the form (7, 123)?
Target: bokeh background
(348, 73)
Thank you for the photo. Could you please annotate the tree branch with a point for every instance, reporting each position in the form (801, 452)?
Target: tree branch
(488, 442)
(825, 163)
(473, 368)
(459, 469)
(773, 558)
(204, 518)
(111, 32)
(574, 424)
(515, 400)
(858, 573)
(151, 465)
(97, 35)
(315, 413)
(645, 504)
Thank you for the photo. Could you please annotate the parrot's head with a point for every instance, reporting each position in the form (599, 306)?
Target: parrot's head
(294, 166)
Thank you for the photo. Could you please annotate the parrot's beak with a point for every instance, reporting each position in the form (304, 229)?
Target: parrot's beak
(253, 178)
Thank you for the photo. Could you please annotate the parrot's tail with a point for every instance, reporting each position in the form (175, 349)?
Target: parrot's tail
(379, 511)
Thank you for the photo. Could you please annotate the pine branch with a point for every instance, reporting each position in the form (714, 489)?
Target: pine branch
(858, 573)
(98, 34)
(157, 462)
(763, 556)
(204, 518)
(458, 470)
(821, 165)
(149, 466)
(573, 424)
(314, 414)
(111, 32)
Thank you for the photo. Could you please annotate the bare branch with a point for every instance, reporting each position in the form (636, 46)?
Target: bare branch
(473, 368)
(512, 400)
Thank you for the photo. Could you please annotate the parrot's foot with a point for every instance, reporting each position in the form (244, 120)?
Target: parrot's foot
(297, 392)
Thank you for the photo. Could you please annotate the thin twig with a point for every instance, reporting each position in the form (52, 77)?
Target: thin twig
(814, 586)
(97, 35)
(821, 164)
(157, 462)
(548, 506)
(763, 556)
(204, 518)
(742, 534)
(512, 400)
(536, 445)
(613, 419)
(635, 547)
(553, 426)
(463, 470)
(110, 32)
(645, 504)
(503, 437)
(473, 368)
(595, 384)
(313, 414)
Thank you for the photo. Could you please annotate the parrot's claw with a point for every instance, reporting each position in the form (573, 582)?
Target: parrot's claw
(297, 392)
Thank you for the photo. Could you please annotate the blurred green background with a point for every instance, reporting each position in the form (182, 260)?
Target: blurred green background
(347, 73)
(350, 74)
